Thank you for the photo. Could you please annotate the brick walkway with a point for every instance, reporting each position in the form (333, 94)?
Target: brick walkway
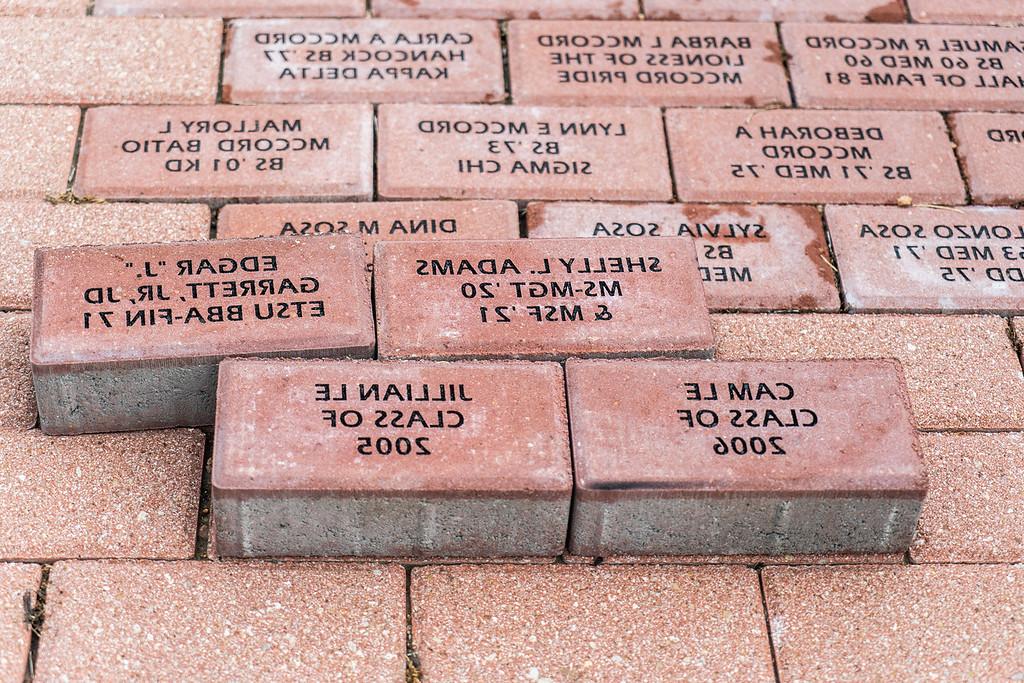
(852, 178)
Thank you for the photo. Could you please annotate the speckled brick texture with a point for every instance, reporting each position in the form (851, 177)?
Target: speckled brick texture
(777, 10)
(991, 150)
(223, 621)
(102, 496)
(906, 623)
(25, 226)
(580, 623)
(509, 9)
(43, 8)
(36, 148)
(109, 61)
(230, 8)
(18, 409)
(974, 12)
(18, 586)
(962, 372)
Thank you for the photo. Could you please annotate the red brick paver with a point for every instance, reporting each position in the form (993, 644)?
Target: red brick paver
(601, 624)
(18, 410)
(991, 149)
(230, 8)
(36, 148)
(508, 9)
(107, 495)
(18, 582)
(229, 621)
(974, 12)
(43, 8)
(776, 10)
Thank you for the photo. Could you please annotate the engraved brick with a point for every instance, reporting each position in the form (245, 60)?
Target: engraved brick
(223, 151)
(646, 63)
(19, 407)
(99, 495)
(572, 623)
(509, 9)
(749, 257)
(991, 149)
(974, 12)
(929, 260)
(363, 60)
(509, 152)
(248, 621)
(691, 457)
(91, 60)
(540, 299)
(326, 458)
(37, 145)
(129, 337)
(776, 10)
(25, 226)
(900, 66)
(962, 372)
(230, 8)
(18, 586)
(812, 156)
(43, 8)
(374, 221)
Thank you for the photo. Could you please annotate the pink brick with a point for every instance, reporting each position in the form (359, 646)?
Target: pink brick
(776, 10)
(750, 257)
(540, 299)
(903, 623)
(975, 12)
(374, 221)
(109, 61)
(109, 495)
(230, 8)
(24, 226)
(43, 8)
(222, 151)
(19, 584)
(37, 147)
(18, 410)
(508, 9)
(812, 156)
(591, 63)
(929, 260)
(508, 152)
(691, 457)
(872, 66)
(579, 623)
(990, 147)
(129, 336)
(326, 458)
(224, 620)
(363, 60)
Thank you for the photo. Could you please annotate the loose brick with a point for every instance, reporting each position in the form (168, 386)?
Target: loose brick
(645, 63)
(219, 620)
(374, 221)
(107, 495)
(24, 226)
(325, 458)
(975, 12)
(507, 152)
(750, 257)
(109, 61)
(962, 372)
(111, 354)
(771, 458)
(905, 623)
(901, 66)
(18, 586)
(991, 149)
(812, 156)
(929, 260)
(509, 9)
(579, 623)
(18, 410)
(227, 152)
(299, 60)
(36, 148)
(43, 8)
(975, 485)
(540, 299)
(776, 10)
(230, 8)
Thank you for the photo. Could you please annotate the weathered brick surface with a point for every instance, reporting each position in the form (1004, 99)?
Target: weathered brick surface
(974, 12)
(223, 621)
(36, 148)
(508, 9)
(43, 8)
(776, 10)
(107, 495)
(109, 61)
(991, 149)
(230, 8)
(18, 583)
(18, 410)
